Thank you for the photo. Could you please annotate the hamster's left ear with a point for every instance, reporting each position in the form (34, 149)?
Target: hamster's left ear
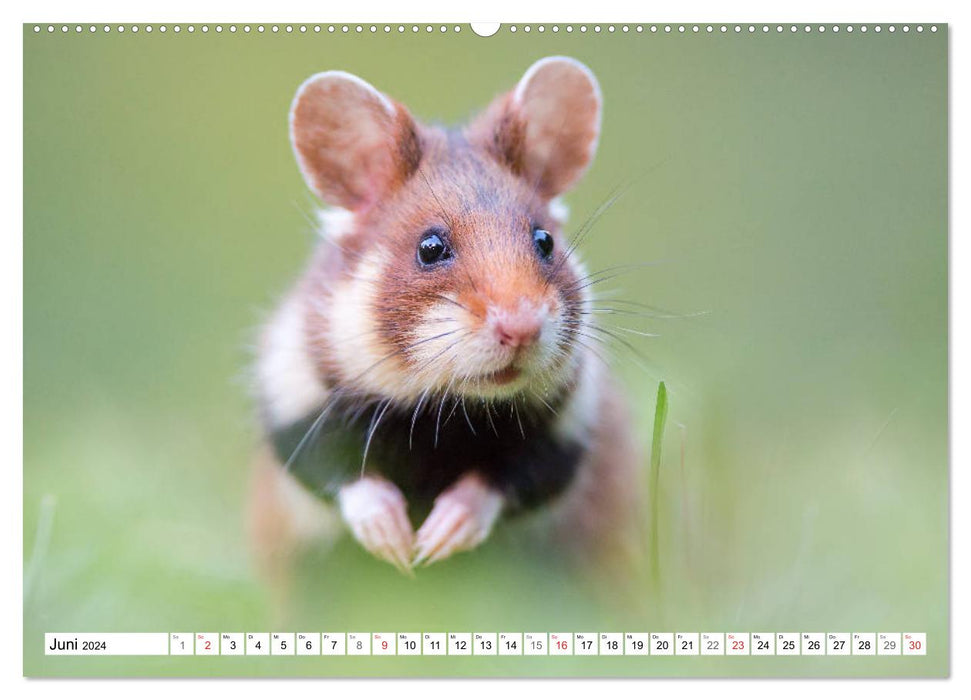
(353, 144)
(546, 129)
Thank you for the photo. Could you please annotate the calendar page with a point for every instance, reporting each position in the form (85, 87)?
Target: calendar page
(471, 350)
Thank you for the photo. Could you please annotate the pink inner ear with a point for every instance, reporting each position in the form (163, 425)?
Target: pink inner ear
(559, 103)
(345, 135)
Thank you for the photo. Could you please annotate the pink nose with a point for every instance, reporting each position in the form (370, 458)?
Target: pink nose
(519, 329)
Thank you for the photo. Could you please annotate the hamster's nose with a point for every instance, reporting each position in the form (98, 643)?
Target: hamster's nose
(517, 329)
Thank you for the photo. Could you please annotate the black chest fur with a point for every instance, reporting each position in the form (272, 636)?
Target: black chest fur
(511, 444)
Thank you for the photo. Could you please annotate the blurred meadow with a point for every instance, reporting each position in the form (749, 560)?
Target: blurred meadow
(791, 186)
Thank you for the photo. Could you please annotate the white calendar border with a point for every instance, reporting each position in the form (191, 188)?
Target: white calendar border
(508, 10)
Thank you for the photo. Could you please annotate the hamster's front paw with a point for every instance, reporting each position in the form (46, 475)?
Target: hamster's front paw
(377, 515)
(461, 519)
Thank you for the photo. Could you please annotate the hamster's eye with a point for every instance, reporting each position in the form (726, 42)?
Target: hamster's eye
(543, 242)
(432, 249)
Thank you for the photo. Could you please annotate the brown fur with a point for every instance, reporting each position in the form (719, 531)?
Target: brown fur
(598, 518)
(272, 533)
(485, 189)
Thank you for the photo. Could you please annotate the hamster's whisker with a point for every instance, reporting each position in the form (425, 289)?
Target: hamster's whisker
(414, 416)
(609, 273)
(453, 301)
(375, 422)
(589, 223)
(620, 339)
(603, 329)
(402, 350)
(488, 407)
(442, 210)
(467, 419)
(544, 402)
(661, 312)
(609, 332)
(354, 416)
(438, 420)
(515, 409)
(595, 351)
(615, 194)
(424, 364)
(312, 430)
(314, 225)
(639, 358)
(625, 266)
(598, 310)
(455, 405)
(358, 336)
(340, 392)
(634, 331)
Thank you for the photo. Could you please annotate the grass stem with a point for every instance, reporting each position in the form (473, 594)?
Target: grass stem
(660, 416)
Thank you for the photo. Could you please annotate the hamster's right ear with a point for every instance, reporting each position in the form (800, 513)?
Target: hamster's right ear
(353, 144)
(546, 129)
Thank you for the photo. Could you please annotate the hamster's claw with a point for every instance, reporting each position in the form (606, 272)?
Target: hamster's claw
(377, 515)
(461, 519)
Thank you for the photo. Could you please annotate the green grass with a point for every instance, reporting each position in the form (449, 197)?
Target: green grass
(154, 544)
(660, 416)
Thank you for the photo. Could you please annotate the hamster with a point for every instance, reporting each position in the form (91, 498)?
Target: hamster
(431, 372)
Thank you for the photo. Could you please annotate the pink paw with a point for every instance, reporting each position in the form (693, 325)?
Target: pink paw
(461, 519)
(377, 515)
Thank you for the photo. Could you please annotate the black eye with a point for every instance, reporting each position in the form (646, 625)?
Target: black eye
(432, 249)
(543, 242)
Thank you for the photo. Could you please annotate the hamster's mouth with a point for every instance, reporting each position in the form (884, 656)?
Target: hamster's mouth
(502, 376)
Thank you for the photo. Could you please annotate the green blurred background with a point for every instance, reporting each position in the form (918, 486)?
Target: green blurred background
(794, 186)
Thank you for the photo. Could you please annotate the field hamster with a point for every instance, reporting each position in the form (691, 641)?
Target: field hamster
(432, 372)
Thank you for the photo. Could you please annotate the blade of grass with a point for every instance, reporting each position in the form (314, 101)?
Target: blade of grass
(42, 540)
(660, 416)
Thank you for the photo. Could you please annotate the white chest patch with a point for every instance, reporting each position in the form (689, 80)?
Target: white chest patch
(364, 362)
(578, 416)
(288, 380)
